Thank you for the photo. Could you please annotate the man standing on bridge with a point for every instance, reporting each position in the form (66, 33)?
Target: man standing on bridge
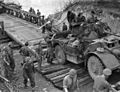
(25, 51)
(70, 82)
(8, 63)
(100, 82)
(11, 56)
(28, 72)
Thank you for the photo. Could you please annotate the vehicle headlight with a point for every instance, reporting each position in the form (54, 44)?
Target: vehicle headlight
(100, 49)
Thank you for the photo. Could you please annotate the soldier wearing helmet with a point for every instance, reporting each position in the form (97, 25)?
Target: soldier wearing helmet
(5, 64)
(64, 27)
(100, 82)
(92, 18)
(70, 83)
(28, 72)
(9, 53)
(80, 18)
(25, 51)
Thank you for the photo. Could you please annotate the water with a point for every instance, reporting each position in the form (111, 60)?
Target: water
(45, 6)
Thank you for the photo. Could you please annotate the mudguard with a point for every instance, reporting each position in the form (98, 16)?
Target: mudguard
(108, 59)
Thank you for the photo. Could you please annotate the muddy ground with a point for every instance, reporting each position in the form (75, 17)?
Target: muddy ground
(41, 83)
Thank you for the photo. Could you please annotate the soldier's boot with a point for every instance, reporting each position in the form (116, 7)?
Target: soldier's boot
(32, 80)
(49, 60)
(33, 84)
(12, 67)
(25, 82)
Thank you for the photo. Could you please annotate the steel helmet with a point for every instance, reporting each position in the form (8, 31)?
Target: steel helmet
(107, 71)
(72, 72)
(27, 59)
(26, 44)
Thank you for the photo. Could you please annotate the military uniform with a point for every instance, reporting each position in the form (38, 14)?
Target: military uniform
(80, 18)
(100, 82)
(64, 27)
(71, 18)
(6, 68)
(38, 55)
(70, 83)
(25, 51)
(50, 52)
(11, 56)
(28, 72)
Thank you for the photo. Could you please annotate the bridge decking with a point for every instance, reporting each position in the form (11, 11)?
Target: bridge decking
(20, 30)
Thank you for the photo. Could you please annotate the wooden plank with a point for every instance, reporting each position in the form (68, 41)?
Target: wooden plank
(88, 87)
(58, 77)
(58, 80)
(59, 85)
(49, 76)
(52, 69)
(47, 67)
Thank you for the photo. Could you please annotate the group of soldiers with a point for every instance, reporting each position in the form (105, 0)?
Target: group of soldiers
(71, 82)
(30, 16)
(28, 58)
(72, 18)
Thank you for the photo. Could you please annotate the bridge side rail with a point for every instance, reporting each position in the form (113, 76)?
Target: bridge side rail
(33, 18)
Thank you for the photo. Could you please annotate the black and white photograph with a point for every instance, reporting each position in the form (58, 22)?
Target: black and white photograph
(59, 45)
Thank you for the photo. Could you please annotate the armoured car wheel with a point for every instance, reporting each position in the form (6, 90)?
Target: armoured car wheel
(94, 66)
(60, 55)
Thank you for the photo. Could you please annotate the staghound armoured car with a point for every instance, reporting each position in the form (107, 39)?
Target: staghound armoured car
(96, 54)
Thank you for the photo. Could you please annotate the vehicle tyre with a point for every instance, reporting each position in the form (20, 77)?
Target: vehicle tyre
(60, 55)
(94, 65)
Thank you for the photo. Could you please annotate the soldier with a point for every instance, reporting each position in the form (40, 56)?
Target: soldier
(64, 28)
(70, 17)
(50, 54)
(100, 82)
(43, 22)
(11, 56)
(93, 18)
(25, 51)
(28, 72)
(80, 18)
(38, 12)
(30, 10)
(70, 83)
(6, 68)
(43, 19)
(39, 55)
(33, 11)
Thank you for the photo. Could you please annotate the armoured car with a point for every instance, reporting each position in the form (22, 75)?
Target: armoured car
(96, 53)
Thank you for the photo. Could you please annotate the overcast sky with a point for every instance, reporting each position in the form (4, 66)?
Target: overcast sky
(45, 6)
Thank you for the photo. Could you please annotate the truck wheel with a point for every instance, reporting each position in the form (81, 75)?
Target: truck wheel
(94, 66)
(60, 55)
